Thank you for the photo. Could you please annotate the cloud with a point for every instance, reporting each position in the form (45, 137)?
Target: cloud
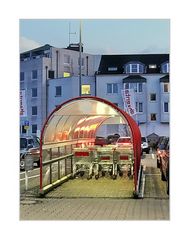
(155, 49)
(28, 44)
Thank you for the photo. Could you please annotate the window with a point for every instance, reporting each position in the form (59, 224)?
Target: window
(66, 59)
(86, 89)
(139, 107)
(153, 97)
(166, 107)
(165, 67)
(134, 68)
(34, 128)
(58, 92)
(153, 116)
(34, 110)
(23, 129)
(34, 74)
(112, 88)
(22, 76)
(138, 87)
(166, 87)
(112, 69)
(66, 74)
(34, 92)
(152, 66)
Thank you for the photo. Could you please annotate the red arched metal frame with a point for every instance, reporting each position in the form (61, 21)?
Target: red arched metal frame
(135, 131)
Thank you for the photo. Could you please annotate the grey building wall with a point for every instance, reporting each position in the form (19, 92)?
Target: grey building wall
(69, 89)
(59, 61)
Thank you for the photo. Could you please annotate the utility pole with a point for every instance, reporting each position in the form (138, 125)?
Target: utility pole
(80, 60)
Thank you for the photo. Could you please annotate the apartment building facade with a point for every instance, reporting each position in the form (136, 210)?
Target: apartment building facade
(45, 64)
(51, 76)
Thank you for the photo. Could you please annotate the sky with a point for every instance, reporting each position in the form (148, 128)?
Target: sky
(99, 36)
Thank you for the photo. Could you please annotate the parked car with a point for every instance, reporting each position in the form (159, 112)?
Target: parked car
(164, 165)
(144, 145)
(112, 139)
(160, 147)
(124, 141)
(101, 141)
(29, 145)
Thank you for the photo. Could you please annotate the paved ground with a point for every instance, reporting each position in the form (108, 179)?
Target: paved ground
(96, 209)
(62, 204)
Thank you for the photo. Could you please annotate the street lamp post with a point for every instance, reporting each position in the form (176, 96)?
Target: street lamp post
(80, 60)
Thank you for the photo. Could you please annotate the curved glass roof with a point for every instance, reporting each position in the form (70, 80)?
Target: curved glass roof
(79, 119)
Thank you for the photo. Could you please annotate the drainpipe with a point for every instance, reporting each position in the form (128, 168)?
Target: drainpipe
(80, 60)
(57, 64)
(46, 85)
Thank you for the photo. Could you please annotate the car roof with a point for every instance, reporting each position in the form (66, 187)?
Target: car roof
(125, 137)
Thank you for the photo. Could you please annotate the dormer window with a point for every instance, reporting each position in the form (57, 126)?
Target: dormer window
(134, 68)
(165, 67)
(112, 69)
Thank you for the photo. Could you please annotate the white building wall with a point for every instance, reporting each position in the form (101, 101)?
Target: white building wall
(152, 85)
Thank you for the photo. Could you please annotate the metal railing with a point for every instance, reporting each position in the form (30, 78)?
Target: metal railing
(56, 171)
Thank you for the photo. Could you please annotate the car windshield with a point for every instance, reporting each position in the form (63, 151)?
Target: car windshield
(124, 140)
(143, 139)
(23, 143)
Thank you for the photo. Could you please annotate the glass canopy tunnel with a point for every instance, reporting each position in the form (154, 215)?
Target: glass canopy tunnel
(75, 124)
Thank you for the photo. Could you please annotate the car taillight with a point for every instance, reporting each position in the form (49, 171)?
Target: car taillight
(81, 154)
(124, 157)
(105, 158)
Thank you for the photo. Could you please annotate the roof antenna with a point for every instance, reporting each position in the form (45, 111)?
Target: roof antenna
(70, 32)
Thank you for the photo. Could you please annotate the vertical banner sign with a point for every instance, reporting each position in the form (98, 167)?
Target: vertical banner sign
(129, 101)
(23, 106)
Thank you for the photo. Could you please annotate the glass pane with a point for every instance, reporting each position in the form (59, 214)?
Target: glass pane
(165, 106)
(140, 87)
(115, 88)
(140, 107)
(109, 88)
(85, 89)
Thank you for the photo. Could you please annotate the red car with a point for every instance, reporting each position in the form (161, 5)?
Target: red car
(124, 142)
(101, 141)
(164, 166)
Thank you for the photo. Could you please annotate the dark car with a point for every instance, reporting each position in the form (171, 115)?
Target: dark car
(164, 166)
(29, 145)
(112, 139)
(100, 141)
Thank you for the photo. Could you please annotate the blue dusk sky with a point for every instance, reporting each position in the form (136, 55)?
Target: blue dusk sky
(99, 36)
